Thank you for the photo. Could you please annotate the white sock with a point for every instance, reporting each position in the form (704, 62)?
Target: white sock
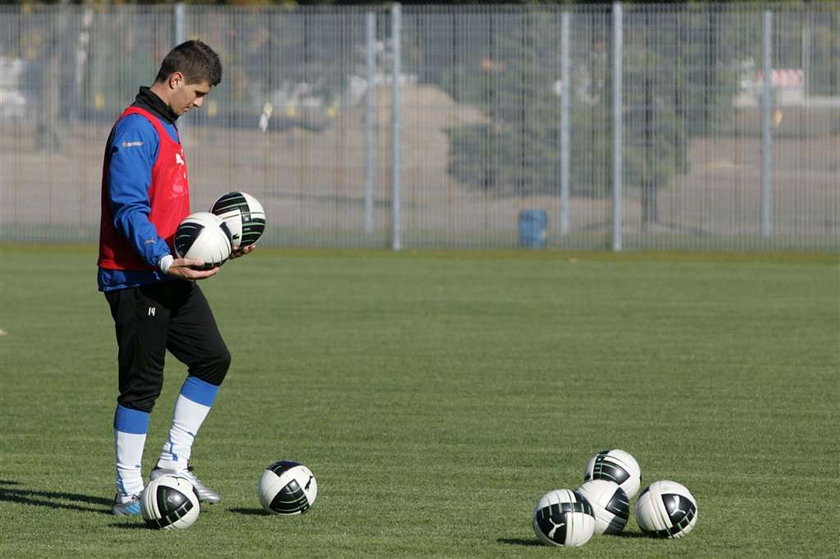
(191, 410)
(130, 427)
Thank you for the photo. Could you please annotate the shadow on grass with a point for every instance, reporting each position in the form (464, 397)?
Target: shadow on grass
(528, 542)
(249, 512)
(630, 535)
(534, 542)
(12, 492)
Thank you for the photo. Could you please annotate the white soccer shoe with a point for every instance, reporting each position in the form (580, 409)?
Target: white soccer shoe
(129, 507)
(205, 494)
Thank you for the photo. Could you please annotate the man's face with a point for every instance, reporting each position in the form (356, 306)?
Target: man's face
(186, 96)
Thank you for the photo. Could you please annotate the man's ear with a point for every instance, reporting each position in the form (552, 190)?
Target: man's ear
(176, 80)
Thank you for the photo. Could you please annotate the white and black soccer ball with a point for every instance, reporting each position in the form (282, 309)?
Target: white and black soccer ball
(564, 518)
(287, 488)
(618, 466)
(666, 509)
(203, 236)
(610, 505)
(244, 216)
(169, 503)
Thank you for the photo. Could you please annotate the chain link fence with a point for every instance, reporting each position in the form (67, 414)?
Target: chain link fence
(623, 127)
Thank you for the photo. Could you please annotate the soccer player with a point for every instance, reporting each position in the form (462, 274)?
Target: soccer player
(155, 301)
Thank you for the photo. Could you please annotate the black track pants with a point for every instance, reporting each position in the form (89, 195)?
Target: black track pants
(151, 319)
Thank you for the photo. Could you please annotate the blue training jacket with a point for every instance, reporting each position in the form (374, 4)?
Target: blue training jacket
(132, 151)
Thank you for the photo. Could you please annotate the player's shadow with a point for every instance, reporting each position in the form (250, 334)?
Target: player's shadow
(13, 492)
(535, 542)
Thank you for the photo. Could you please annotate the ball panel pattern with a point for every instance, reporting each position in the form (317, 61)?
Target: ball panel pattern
(610, 505)
(290, 499)
(618, 466)
(287, 488)
(666, 509)
(173, 506)
(563, 518)
(169, 502)
(203, 236)
(244, 215)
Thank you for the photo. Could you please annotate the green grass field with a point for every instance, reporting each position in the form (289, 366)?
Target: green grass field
(437, 396)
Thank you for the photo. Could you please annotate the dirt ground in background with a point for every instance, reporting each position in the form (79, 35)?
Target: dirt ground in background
(312, 180)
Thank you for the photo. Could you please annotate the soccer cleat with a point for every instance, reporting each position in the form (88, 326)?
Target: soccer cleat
(131, 507)
(205, 494)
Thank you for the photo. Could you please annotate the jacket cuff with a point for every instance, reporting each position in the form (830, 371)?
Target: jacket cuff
(165, 262)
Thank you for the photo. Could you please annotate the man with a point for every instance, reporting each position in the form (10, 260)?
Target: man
(154, 299)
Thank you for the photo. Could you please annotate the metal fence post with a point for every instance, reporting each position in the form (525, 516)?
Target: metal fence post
(370, 161)
(180, 26)
(617, 122)
(396, 22)
(565, 122)
(767, 130)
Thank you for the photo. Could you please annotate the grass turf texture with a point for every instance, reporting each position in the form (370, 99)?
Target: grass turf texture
(437, 396)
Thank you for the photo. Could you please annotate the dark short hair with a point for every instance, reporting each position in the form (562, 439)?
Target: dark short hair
(194, 59)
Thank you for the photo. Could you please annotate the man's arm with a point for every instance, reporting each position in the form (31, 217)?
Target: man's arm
(134, 148)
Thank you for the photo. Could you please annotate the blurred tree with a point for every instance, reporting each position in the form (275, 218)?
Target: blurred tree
(673, 88)
(515, 150)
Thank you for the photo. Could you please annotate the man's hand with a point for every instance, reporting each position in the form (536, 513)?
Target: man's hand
(242, 251)
(182, 267)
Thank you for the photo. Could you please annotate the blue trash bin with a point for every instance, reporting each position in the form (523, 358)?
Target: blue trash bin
(532, 228)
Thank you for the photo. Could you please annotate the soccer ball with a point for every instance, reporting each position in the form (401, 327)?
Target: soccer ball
(564, 518)
(618, 466)
(244, 216)
(287, 487)
(169, 502)
(666, 509)
(203, 236)
(610, 505)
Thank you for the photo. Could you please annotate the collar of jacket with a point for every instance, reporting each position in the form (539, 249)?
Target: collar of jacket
(148, 100)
